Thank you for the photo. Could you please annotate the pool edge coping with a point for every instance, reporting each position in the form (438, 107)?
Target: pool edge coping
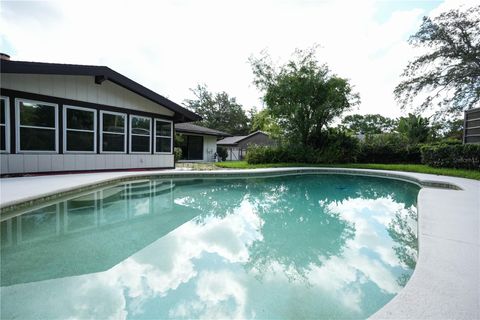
(7, 207)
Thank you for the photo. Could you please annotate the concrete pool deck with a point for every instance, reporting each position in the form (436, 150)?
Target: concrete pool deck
(446, 280)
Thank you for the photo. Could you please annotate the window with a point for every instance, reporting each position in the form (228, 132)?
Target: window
(140, 128)
(80, 126)
(37, 124)
(113, 127)
(4, 125)
(163, 136)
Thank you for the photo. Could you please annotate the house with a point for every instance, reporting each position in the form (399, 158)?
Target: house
(198, 144)
(237, 145)
(65, 117)
(471, 133)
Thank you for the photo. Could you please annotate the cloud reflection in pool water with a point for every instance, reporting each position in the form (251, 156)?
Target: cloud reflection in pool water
(306, 246)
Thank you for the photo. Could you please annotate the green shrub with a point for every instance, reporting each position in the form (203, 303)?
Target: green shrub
(465, 156)
(388, 148)
(222, 153)
(177, 154)
(338, 148)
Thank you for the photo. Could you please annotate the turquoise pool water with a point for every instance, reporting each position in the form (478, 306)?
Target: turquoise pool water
(299, 246)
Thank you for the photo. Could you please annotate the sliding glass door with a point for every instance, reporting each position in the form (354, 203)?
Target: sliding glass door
(192, 147)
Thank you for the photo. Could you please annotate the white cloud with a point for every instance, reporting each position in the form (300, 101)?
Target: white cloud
(170, 46)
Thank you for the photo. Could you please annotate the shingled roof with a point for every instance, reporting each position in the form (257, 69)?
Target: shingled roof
(231, 141)
(193, 128)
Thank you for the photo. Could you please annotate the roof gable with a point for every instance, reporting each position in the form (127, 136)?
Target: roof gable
(100, 74)
(236, 139)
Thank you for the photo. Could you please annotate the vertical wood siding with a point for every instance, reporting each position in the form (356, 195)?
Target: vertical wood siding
(82, 88)
(209, 148)
(30, 163)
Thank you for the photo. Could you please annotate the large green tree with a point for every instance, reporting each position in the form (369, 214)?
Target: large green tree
(369, 123)
(303, 95)
(448, 74)
(219, 111)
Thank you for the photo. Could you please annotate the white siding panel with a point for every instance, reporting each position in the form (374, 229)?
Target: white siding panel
(117, 161)
(30, 162)
(82, 88)
(44, 162)
(100, 162)
(102, 97)
(127, 161)
(136, 163)
(3, 164)
(15, 163)
(170, 161)
(160, 162)
(70, 88)
(69, 162)
(209, 148)
(57, 162)
(163, 161)
(59, 86)
(156, 161)
(90, 161)
(30, 84)
(26, 163)
(45, 84)
(110, 161)
(92, 92)
(82, 83)
(80, 162)
(150, 161)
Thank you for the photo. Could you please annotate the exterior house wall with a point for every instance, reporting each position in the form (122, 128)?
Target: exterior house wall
(84, 89)
(260, 139)
(209, 148)
(25, 163)
(471, 133)
(239, 150)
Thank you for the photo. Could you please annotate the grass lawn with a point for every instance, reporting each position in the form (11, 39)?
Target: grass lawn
(471, 174)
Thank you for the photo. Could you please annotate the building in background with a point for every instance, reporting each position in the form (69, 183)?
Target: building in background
(471, 133)
(237, 145)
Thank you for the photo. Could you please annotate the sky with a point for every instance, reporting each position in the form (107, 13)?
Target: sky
(171, 46)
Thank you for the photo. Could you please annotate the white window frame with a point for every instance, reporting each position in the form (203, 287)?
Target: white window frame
(65, 129)
(155, 136)
(140, 135)
(6, 125)
(102, 112)
(18, 126)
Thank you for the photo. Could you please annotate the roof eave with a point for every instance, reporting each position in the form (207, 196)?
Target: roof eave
(203, 133)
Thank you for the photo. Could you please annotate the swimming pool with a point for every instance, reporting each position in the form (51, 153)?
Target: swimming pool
(297, 246)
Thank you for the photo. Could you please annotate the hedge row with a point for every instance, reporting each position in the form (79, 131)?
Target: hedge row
(389, 154)
(364, 154)
(337, 147)
(346, 151)
(452, 156)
